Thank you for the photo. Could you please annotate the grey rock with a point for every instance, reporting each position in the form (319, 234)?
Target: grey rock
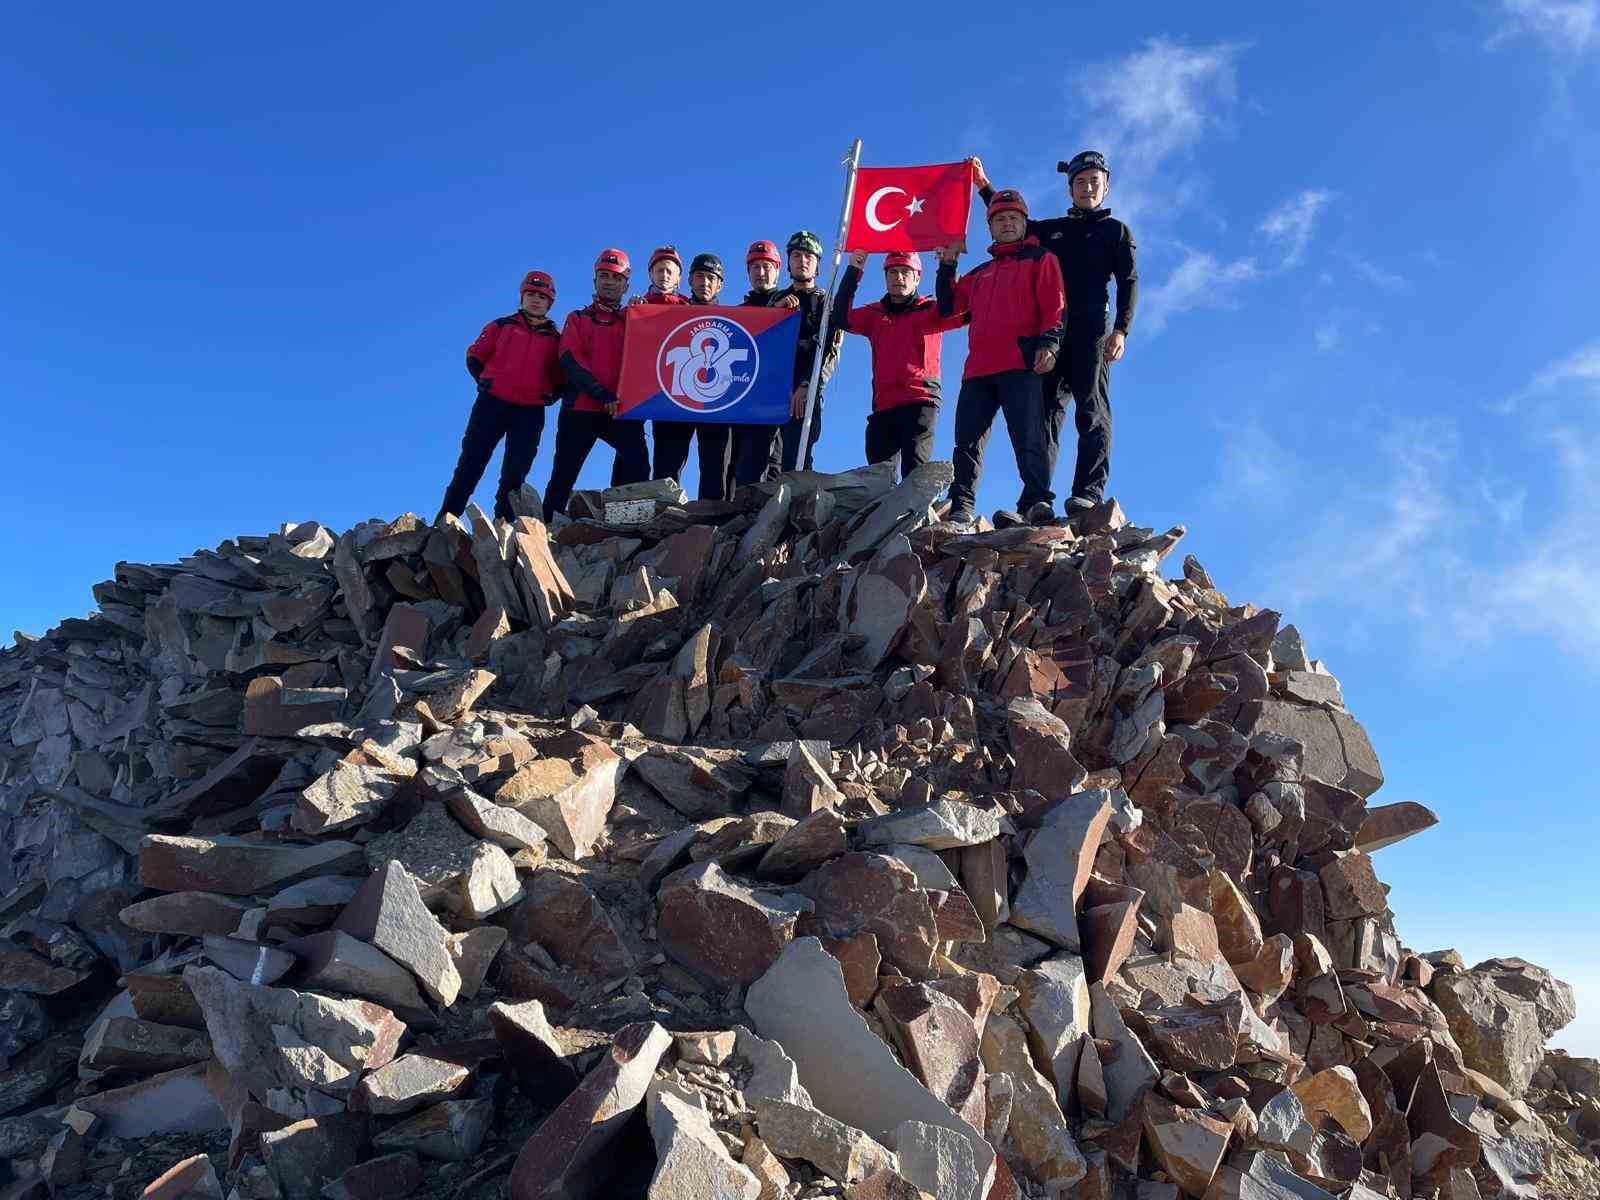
(388, 912)
(944, 824)
(691, 1161)
(839, 1151)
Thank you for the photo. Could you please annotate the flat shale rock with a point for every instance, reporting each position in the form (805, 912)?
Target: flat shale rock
(388, 913)
(236, 866)
(691, 1161)
(1060, 856)
(562, 1160)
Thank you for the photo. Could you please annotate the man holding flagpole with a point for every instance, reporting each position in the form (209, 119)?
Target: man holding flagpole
(805, 256)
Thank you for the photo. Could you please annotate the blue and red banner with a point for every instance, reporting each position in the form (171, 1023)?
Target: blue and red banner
(731, 365)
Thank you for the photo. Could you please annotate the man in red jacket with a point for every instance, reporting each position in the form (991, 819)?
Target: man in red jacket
(591, 361)
(515, 361)
(904, 330)
(1015, 301)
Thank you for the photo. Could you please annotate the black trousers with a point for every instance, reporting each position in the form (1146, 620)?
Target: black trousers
(787, 451)
(753, 452)
(904, 432)
(491, 419)
(1016, 394)
(715, 444)
(576, 434)
(1083, 379)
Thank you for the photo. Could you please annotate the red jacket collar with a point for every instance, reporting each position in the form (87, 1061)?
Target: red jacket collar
(1001, 249)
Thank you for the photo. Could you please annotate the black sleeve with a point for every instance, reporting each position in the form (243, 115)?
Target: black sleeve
(580, 377)
(474, 366)
(986, 194)
(1126, 273)
(845, 298)
(944, 288)
(830, 353)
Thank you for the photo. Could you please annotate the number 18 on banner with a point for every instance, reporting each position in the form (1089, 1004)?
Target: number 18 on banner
(909, 208)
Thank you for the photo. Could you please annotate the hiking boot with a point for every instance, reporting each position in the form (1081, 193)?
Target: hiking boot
(959, 514)
(1041, 513)
(1004, 519)
(1078, 505)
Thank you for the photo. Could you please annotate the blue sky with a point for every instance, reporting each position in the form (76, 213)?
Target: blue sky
(244, 250)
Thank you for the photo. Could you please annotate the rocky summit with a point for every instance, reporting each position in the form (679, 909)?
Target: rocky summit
(797, 846)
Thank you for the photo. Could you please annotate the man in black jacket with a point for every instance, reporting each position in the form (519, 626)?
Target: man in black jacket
(1094, 248)
(805, 256)
(753, 445)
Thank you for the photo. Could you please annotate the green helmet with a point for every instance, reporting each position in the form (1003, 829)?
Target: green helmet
(804, 240)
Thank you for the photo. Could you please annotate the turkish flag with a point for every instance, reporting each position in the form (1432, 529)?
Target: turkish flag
(910, 208)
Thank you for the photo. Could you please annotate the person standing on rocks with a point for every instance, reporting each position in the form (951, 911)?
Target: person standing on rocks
(516, 364)
(1093, 248)
(714, 438)
(1014, 302)
(665, 270)
(805, 255)
(591, 360)
(753, 444)
(905, 331)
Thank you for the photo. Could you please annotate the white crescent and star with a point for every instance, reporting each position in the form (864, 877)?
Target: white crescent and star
(912, 208)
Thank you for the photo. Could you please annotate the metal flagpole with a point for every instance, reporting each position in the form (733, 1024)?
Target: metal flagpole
(852, 160)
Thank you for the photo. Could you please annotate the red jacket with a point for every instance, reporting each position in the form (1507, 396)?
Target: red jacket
(591, 356)
(654, 297)
(905, 343)
(517, 359)
(1015, 301)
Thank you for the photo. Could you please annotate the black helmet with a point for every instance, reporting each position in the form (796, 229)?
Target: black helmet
(706, 262)
(1082, 161)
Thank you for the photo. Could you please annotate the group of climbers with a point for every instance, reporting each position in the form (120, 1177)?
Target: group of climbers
(1041, 334)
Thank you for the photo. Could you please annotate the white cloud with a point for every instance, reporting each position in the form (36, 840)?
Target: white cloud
(1328, 335)
(1290, 225)
(1199, 281)
(1425, 526)
(1378, 276)
(1567, 27)
(1153, 107)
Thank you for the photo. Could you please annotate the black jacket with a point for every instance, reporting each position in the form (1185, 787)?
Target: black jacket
(1093, 248)
(813, 303)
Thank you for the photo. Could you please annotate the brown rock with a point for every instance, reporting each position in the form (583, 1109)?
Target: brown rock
(1038, 1134)
(192, 913)
(306, 1156)
(273, 710)
(1060, 855)
(1187, 1143)
(877, 894)
(543, 586)
(1107, 932)
(721, 929)
(1041, 742)
(529, 1041)
(567, 791)
(1336, 1092)
(1390, 823)
(1238, 929)
(335, 961)
(237, 866)
(1272, 970)
(388, 913)
(129, 1044)
(859, 960)
(985, 879)
(407, 1083)
(450, 1131)
(473, 952)
(804, 847)
(563, 1157)
(190, 1177)
(382, 1178)
(807, 784)
(564, 917)
(938, 1041)
(839, 1151)
(1352, 889)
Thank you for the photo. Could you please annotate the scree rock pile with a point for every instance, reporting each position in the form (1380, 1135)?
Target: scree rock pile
(797, 846)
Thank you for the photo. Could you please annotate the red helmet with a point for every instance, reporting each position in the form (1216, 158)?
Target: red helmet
(615, 261)
(540, 284)
(903, 258)
(1007, 200)
(667, 253)
(763, 251)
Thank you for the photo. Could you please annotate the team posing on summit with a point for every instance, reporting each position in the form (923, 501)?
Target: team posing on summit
(1041, 334)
